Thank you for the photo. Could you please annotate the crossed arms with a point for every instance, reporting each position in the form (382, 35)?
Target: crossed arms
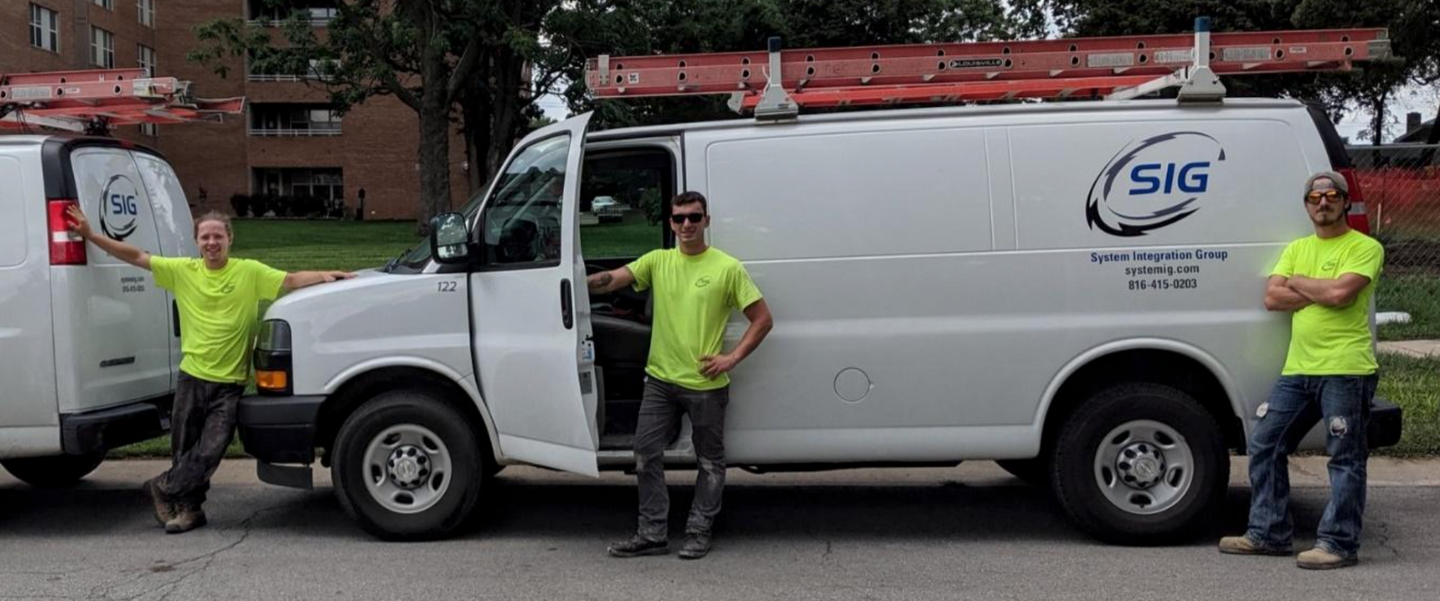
(1297, 292)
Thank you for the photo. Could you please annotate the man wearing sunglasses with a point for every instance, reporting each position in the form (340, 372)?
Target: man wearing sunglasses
(695, 288)
(1326, 282)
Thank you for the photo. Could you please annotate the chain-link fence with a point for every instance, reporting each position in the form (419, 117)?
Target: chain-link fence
(1401, 185)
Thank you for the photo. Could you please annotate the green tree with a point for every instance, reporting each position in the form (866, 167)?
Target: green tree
(425, 53)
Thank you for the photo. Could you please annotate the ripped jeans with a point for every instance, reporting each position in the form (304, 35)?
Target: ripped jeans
(1295, 405)
(660, 410)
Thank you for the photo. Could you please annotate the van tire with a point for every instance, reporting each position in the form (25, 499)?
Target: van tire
(1181, 456)
(402, 423)
(1035, 472)
(54, 472)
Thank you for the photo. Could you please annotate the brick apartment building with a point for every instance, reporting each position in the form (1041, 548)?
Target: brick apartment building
(289, 143)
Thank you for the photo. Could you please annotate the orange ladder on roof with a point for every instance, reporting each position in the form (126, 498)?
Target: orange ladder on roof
(78, 100)
(1117, 67)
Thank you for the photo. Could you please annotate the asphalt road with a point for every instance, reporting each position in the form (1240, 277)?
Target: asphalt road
(962, 533)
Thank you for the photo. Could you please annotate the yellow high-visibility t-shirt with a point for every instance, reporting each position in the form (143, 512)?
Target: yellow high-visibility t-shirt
(693, 296)
(218, 309)
(1332, 341)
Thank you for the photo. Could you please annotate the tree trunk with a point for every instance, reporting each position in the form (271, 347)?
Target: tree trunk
(434, 156)
(1377, 121)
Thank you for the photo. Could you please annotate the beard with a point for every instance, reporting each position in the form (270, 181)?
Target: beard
(1328, 218)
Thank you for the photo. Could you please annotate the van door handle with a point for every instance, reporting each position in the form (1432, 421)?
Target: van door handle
(567, 304)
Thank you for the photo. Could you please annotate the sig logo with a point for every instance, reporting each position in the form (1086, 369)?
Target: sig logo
(703, 281)
(1153, 183)
(119, 208)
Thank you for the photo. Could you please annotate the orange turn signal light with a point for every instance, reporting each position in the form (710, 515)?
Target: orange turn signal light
(271, 380)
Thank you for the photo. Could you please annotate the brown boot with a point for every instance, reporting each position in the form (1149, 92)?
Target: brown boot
(187, 520)
(1321, 558)
(1242, 545)
(164, 507)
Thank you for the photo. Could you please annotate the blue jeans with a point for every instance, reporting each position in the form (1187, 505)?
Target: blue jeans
(1296, 404)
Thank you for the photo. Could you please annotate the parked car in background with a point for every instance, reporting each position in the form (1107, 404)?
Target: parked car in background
(606, 209)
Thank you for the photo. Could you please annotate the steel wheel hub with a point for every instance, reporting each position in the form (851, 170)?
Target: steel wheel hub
(408, 467)
(1140, 465)
(1144, 467)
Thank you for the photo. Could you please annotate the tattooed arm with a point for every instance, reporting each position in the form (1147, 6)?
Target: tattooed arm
(610, 281)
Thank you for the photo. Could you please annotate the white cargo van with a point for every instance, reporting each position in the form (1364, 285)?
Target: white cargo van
(1073, 289)
(88, 345)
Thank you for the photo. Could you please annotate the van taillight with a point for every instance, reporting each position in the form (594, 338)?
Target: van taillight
(1358, 218)
(65, 247)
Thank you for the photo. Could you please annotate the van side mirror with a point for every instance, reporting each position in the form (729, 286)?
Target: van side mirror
(449, 238)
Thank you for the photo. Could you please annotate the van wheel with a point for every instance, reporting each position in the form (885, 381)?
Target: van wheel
(1140, 463)
(407, 467)
(1035, 472)
(54, 472)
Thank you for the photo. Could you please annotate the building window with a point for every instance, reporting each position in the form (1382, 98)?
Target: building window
(147, 12)
(146, 59)
(318, 12)
(298, 192)
(149, 129)
(105, 4)
(293, 120)
(102, 48)
(44, 28)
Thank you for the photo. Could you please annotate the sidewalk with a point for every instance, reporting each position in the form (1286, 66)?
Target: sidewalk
(1413, 348)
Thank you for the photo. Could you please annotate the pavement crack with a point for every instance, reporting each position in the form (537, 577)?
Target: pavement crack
(172, 585)
(1299, 467)
(1384, 537)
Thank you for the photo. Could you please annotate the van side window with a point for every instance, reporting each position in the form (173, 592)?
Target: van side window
(623, 196)
(521, 223)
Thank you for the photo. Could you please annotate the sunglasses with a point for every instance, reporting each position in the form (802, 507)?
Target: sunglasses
(1314, 196)
(680, 218)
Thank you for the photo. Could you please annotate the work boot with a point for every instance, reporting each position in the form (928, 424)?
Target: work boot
(697, 545)
(164, 507)
(1242, 545)
(637, 546)
(186, 520)
(1321, 558)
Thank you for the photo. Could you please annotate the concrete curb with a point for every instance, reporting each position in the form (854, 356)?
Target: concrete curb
(1419, 349)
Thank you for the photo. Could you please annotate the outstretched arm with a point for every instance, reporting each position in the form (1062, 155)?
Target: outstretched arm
(128, 253)
(761, 322)
(301, 279)
(610, 281)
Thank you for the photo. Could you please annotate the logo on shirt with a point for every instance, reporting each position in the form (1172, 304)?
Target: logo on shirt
(227, 288)
(1330, 265)
(119, 209)
(703, 281)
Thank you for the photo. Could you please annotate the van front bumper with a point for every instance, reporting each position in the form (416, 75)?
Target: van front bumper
(280, 430)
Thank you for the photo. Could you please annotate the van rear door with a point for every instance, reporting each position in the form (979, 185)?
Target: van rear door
(176, 228)
(112, 332)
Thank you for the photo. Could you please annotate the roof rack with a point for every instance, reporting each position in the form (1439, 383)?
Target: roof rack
(95, 100)
(1113, 67)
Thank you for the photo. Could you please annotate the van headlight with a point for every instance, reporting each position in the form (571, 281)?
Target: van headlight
(272, 359)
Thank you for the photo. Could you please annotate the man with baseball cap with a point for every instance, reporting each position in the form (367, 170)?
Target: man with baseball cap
(1325, 281)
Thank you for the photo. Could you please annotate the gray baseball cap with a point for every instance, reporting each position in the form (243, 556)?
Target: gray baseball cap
(1336, 178)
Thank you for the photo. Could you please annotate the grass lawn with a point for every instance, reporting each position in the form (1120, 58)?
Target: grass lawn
(1413, 384)
(1415, 293)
